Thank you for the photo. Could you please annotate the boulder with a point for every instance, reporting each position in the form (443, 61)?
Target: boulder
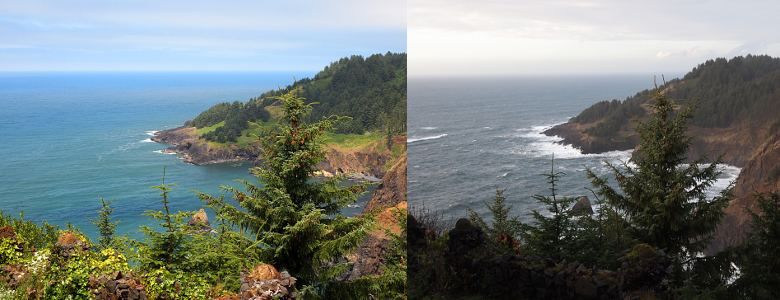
(277, 286)
(199, 223)
(583, 206)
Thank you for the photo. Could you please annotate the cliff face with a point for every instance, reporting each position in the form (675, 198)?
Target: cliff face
(391, 191)
(736, 222)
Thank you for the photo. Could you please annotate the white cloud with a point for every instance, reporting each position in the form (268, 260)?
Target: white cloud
(565, 36)
(693, 52)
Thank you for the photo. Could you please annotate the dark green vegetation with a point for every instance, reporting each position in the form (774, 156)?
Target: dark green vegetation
(743, 89)
(287, 221)
(371, 91)
(236, 117)
(656, 200)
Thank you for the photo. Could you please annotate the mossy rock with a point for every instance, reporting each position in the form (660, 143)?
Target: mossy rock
(463, 224)
(642, 251)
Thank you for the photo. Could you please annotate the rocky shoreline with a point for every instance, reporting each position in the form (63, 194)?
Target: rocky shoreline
(184, 141)
(738, 142)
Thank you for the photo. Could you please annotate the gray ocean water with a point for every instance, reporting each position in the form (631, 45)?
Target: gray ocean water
(468, 135)
(67, 139)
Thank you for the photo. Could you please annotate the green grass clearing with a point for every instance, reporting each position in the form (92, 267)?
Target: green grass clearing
(211, 128)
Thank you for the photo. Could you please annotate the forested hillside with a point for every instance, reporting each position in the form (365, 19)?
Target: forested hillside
(741, 90)
(372, 91)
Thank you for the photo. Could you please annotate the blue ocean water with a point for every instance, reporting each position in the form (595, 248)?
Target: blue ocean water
(67, 139)
(467, 136)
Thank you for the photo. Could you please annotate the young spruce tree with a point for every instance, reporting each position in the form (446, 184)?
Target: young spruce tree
(297, 222)
(662, 198)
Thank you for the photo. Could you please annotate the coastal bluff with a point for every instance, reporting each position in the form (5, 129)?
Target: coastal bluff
(186, 142)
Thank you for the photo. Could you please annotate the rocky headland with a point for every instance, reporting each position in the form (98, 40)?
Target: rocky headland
(737, 142)
(184, 140)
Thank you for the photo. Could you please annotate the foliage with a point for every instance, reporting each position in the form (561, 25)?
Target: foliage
(70, 278)
(33, 234)
(614, 114)
(554, 235)
(170, 248)
(105, 226)
(391, 282)
(758, 257)
(289, 215)
(503, 227)
(743, 89)
(10, 253)
(162, 281)
(433, 221)
(236, 117)
(220, 258)
(431, 276)
(663, 200)
(372, 91)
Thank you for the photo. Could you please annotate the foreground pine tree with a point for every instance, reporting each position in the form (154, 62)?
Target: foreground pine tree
(663, 199)
(295, 223)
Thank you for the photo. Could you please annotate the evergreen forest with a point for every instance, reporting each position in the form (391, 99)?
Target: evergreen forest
(743, 89)
(370, 91)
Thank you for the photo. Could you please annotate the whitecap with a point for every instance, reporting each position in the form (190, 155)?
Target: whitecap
(161, 152)
(429, 128)
(425, 138)
(542, 145)
(152, 132)
(149, 140)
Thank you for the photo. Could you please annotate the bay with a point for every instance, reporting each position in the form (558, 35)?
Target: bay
(68, 138)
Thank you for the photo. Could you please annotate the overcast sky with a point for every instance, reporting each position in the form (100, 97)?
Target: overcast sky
(501, 37)
(254, 35)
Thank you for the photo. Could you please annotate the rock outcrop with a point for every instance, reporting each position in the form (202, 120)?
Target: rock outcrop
(391, 191)
(199, 223)
(583, 206)
(184, 141)
(266, 283)
(365, 163)
(752, 178)
(120, 286)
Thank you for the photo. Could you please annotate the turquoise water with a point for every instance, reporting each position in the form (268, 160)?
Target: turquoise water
(67, 139)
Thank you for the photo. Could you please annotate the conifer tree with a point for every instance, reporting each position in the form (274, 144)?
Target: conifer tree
(105, 226)
(296, 222)
(554, 235)
(663, 199)
(165, 249)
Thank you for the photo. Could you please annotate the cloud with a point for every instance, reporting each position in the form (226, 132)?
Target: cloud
(751, 47)
(693, 52)
(599, 19)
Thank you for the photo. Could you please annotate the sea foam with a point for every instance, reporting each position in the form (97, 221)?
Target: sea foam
(425, 138)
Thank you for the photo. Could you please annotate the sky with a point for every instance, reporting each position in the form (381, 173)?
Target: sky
(144, 35)
(510, 37)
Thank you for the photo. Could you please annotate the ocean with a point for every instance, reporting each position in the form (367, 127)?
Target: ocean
(69, 138)
(469, 136)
